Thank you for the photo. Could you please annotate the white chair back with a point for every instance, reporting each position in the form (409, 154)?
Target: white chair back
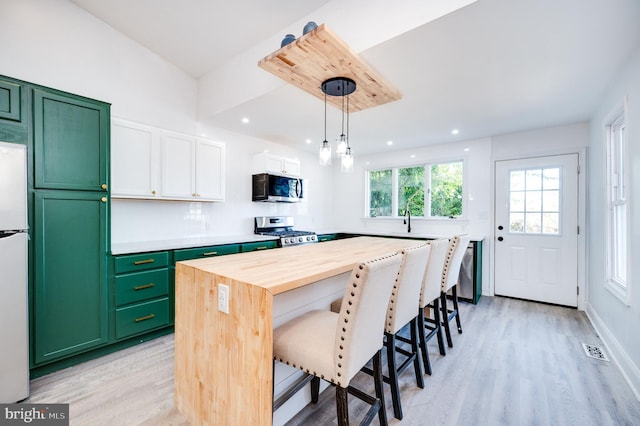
(361, 320)
(406, 290)
(432, 283)
(455, 253)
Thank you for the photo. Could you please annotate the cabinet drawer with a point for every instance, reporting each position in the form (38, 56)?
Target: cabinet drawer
(262, 245)
(141, 285)
(141, 317)
(201, 252)
(327, 237)
(141, 262)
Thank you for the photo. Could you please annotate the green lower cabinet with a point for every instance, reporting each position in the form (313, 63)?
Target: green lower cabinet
(70, 303)
(263, 245)
(327, 237)
(202, 252)
(142, 317)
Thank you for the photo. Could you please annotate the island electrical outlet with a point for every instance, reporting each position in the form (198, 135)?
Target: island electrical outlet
(223, 298)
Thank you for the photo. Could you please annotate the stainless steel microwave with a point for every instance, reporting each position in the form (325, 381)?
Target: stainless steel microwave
(274, 188)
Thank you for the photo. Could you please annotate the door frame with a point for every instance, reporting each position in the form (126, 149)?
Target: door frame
(582, 219)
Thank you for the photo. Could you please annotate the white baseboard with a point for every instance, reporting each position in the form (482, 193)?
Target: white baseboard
(629, 370)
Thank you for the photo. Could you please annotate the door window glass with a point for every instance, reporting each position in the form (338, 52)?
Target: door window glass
(534, 201)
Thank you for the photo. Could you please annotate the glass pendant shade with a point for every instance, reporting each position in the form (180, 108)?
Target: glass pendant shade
(325, 154)
(341, 148)
(346, 165)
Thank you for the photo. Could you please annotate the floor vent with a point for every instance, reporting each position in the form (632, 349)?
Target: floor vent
(593, 351)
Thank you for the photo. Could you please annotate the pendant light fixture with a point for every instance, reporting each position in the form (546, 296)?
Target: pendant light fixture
(325, 149)
(338, 86)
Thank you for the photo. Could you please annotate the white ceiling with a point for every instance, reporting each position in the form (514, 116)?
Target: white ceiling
(492, 67)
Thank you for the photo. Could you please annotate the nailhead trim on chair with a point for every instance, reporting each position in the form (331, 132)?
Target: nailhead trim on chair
(447, 262)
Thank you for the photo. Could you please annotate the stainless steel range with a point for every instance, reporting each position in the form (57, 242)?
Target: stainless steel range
(282, 226)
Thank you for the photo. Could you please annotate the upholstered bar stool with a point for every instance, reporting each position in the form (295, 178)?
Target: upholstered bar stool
(430, 298)
(457, 246)
(335, 346)
(401, 311)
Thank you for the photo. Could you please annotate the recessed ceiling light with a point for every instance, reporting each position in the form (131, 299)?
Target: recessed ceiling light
(204, 135)
(389, 143)
(245, 120)
(455, 131)
(412, 156)
(467, 149)
(308, 141)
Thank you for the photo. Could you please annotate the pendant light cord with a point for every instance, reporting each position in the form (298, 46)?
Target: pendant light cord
(325, 116)
(347, 122)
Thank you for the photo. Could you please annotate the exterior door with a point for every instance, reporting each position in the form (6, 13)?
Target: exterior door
(536, 247)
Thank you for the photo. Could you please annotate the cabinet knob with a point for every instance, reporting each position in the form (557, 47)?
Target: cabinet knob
(103, 199)
(103, 186)
(153, 192)
(194, 195)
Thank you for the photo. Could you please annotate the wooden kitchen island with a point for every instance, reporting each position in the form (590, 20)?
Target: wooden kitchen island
(223, 362)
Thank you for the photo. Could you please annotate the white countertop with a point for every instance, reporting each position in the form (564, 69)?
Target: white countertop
(212, 240)
(180, 243)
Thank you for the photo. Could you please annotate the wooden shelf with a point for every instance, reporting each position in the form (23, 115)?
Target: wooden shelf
(319, 55)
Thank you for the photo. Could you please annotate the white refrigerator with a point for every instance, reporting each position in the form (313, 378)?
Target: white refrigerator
(14, 317)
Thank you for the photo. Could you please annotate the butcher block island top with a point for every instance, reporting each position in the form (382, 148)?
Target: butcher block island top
(223, 362)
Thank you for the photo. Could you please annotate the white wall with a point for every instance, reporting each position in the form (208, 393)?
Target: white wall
(56, 44)
(616, 323)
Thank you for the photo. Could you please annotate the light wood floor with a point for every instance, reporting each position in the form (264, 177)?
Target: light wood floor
(517, 363)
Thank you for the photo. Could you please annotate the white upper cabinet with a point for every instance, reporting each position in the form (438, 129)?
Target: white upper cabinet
(269, 163)
(135, 158)
(178, 166)
(210, 170)
(148, 162)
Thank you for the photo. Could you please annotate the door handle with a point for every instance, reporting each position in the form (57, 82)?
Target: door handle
(500, 238)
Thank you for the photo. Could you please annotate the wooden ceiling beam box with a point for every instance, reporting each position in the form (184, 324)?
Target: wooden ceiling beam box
(319, 55)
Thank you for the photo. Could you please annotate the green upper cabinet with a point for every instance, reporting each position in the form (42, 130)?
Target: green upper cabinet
(13, 116)
(71, 141)
(70, 283)
(10, 101)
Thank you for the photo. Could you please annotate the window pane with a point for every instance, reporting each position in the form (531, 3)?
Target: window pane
(532, 223)
(446, 189)
(380, 197)
(534, 179)
(550, 223)
(551, 178)
(516, 222)
(516, 180)
(516, 203)
(551, 201)
(534, 201)
(411, 191)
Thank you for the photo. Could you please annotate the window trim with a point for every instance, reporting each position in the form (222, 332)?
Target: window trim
(617, 287)
(394, 190)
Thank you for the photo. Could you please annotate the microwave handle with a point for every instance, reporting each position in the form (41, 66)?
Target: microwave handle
(298, 187)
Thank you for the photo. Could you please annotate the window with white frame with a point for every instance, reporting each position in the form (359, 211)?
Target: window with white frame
(429, 190)
(617, 196)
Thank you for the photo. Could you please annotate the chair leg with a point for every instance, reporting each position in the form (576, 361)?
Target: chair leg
(379, 385)
(445, 318)
(315, 389)
(455, 307)
(423, 341)
(415, 349)
(436, 318)
(393, 375)
(342, 406)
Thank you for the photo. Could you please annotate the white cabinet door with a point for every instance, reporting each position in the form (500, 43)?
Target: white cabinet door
(291, 167)
(269, 163)
(178, 166)
(134, 160)
(210, 170)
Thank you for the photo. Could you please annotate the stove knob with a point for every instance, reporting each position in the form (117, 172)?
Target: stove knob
(286, 241)
(300, 239)
(308, 238)
(313, 238)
